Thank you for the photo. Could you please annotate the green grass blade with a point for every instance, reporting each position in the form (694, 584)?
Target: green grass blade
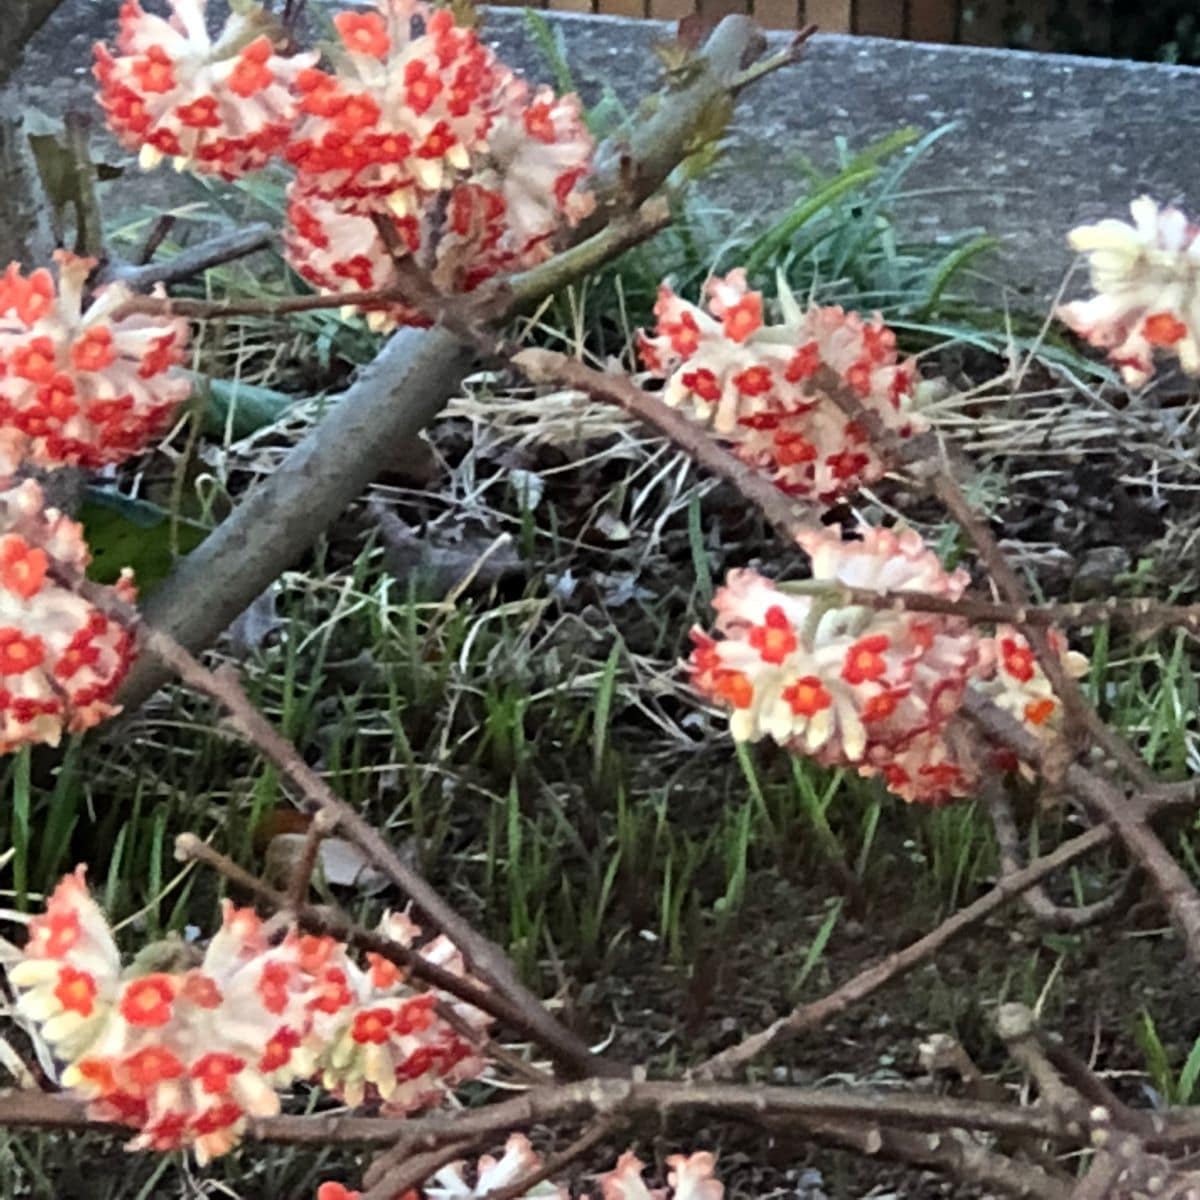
(765, 248)
(1157, 1064)
(817, 949)
(604, 699)
(949, 267)
(550, 44)
(700, 567)
(1188, 1076)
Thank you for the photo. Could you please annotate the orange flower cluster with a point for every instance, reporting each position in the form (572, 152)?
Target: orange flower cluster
(854, 685)
(61, 658)
(1147, 281)
(82, 385)
(419, 126)
(759, 385)
(184, 1048)
(413, 122)
(223, 106)
(842, 682)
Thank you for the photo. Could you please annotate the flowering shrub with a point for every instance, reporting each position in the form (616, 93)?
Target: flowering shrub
(83, 385)
(224, 107)
(758, 385)
(420, 159)
(1147, 281)
(184, 1048)
(61, 658)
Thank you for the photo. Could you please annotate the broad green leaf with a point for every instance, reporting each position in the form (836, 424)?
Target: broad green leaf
(124, 532)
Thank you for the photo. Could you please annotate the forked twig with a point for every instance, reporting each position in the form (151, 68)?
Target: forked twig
(1048, 914)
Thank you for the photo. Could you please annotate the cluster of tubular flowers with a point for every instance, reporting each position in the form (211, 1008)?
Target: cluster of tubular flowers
(185, 1047)
(763, 387)
(838, 680)
(223, 106)
(61, 658)
(851, 684)
(83, 386)
(1147, 281)
(418, 125)
(689, 1177)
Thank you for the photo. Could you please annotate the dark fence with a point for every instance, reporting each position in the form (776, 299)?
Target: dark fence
(1057, 24)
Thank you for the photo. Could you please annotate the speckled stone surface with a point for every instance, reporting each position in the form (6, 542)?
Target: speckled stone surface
(1041, 142)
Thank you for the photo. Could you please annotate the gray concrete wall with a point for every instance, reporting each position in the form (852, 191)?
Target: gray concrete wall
(1043, 141)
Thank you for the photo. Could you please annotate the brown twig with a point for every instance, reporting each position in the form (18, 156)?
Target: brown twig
(787, 516)
(791, 53)
(609, 1098)
(460, 314)
(1127, 818)
(319, 828)
(1051, 915)
(89, 229)
(414, 1169)
(955, 1153)
(1138, 614)
(321, 921)
(1092, 1088)
(195, 260)
(161, 226)
(215, 310)
(898, 964)
(939, 479)
(556, 1164)
(1017, 1028)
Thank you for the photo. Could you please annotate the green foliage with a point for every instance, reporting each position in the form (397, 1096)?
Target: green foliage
(1172, 1088)
(123, 531)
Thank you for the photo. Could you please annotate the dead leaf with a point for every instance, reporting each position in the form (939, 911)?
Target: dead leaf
(474, 554)
(250, 631)
(340, 862)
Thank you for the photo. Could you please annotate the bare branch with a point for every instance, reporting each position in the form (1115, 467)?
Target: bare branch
(1047, 913)
(812, 1016)
(956, 1154)
(195, 260)
(1126, 818)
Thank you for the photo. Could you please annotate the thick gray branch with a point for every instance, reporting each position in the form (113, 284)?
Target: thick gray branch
(25, 234)
(414, 375)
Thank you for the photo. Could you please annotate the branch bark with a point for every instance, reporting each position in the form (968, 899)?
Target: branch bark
(1125, 818)
(22, 21)
(604, 1098)
(212, 252)
(1047, 913)
(485, 958)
